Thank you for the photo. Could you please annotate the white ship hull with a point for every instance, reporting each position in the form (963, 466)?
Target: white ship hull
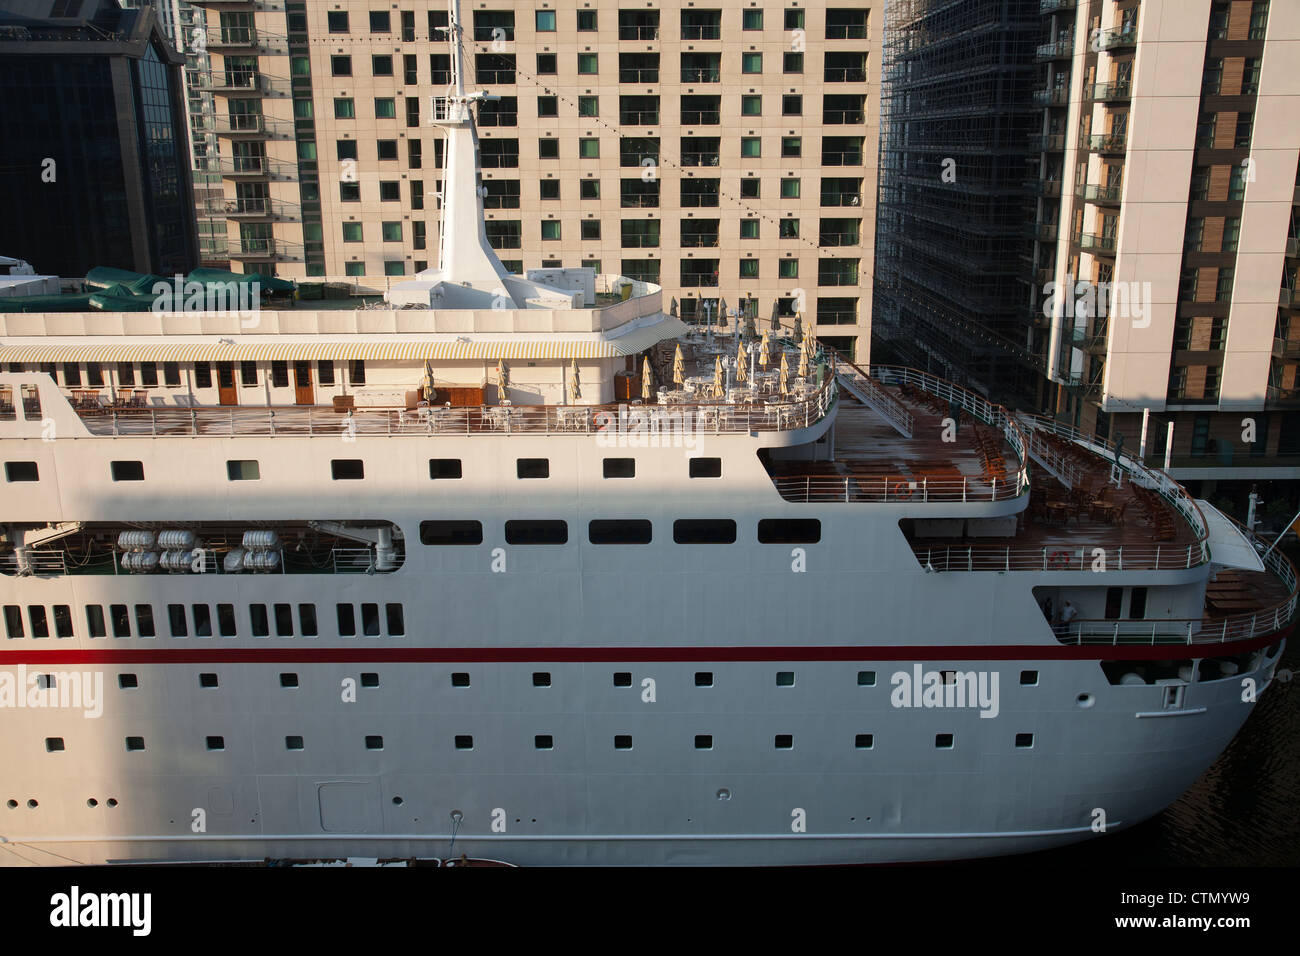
(382, 774)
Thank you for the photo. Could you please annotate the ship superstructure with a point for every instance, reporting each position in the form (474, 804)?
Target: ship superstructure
(527, 564)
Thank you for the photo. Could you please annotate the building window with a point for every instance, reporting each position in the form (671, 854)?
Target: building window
(337, 20)
(751, 63)
(791, 146)
(385, 107)
(788, 269)
(550, 229)
(751, 106)
(750, 188)
(341, 65)
(545, 21)
(381, 65)
(589, 229)
(749, 268)
(352, 232)
(791, 105)
(546, 64)
(392, 232)
(792, 63)
(588, 64)
(751, 147)
(548, 148)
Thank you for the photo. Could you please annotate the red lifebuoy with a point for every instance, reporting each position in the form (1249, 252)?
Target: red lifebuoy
(1059, 559)
(902, 490)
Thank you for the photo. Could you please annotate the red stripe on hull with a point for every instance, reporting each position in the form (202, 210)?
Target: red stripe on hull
(615, 655)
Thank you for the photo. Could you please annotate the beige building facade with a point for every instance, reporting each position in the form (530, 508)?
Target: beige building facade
(725, 150)
(1171, 136)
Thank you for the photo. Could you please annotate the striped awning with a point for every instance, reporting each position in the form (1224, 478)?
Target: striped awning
(262, 348)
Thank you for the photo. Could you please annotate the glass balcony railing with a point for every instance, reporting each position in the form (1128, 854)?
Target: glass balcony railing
(1092, 192)
(1107, 142)
(1118, 90)
(1123, 36)
(1092, 243)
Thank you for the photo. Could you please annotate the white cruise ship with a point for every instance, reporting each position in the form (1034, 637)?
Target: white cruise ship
(523, 568)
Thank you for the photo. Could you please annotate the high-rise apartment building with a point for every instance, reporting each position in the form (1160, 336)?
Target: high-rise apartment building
(725, 149)
(96, 168)
(1171, 134)
(957, 118)
(1158, 265)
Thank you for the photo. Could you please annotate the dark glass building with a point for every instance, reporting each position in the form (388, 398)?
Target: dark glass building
(957, 115)
(96, 160)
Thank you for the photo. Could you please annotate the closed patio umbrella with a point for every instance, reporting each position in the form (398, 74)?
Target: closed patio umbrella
(803, 359)
(763, 357)
(503, 380)
(575, 389)
(717, 377)
(679, 368)
(742, 369)
(647, 380)
(785, 375)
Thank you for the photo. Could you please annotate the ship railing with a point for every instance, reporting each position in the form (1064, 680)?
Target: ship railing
(893, 488)
(34, 562)
(1136, 470)
(1081, 557)
(322, 421)
(352, 560)
(977, 406)
(882, 402)
(1238, 627)
(1053, 458)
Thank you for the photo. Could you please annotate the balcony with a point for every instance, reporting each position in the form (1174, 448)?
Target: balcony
(1292, 247)
(1286, 348)
(242, 38)
(1110, 92)
(1056, 96)
(700, 157)
(693, 75)
(699, 240)
(1106, 142)
(1098, 245)
(701, 117)
(232, 83)
(1055, 6)
(1048, 188)
(849, 237)
(243, 125)
(1287, 298)
(638, 32)
(263, 249)
(246, 167)
(844, 74)
(1061, 49)
(638, 117)
(843, 117)
(1052, 143)
(1124, 36)
(841, 198)
(248, 209)
(1103, 195)
(1042, 231)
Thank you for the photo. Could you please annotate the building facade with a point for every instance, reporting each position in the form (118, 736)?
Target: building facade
(957, 120)
(96, 171)
(727, 153)
(1171, 135)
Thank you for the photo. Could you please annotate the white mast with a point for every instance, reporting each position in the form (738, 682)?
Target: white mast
(465, 255)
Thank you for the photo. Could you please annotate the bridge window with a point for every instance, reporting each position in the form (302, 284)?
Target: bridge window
(619, 531)
(127, 470)
(21, 471)
(537, 532)
(789, 531)
(451, 532)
